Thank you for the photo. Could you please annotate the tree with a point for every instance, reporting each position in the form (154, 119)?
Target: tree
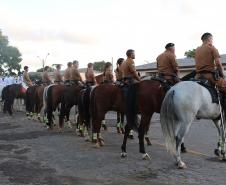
(190, 53)
(10, 57)
(99, 66)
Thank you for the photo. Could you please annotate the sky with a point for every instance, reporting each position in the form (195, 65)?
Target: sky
(96, 30)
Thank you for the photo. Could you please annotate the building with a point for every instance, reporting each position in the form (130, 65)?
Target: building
(186, 65)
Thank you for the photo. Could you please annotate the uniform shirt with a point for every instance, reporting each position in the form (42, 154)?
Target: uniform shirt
(204, 57)
(74, 74)
(118, 73)
(45, 77)
(57, 76)
(128, 69)
(166, 63)
(67, 74)
(90, 75)
(108, 76)
(26, 78)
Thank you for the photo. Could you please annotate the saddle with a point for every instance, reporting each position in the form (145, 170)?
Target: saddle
(212, 90)
(165, 83)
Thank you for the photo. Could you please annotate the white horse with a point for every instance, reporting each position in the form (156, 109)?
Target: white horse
(182, 104)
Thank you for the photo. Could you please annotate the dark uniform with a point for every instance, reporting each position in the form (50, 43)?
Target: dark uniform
(168, 67)
(205, 56)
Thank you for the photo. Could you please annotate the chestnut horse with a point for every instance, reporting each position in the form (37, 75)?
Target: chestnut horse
(10, 93)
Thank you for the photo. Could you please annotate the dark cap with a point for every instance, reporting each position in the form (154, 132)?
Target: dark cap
(169, 45)
(25, 67)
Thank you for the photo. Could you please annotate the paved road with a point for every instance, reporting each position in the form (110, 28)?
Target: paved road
(29, 154)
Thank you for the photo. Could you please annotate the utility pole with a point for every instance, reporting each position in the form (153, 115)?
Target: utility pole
(43, 61)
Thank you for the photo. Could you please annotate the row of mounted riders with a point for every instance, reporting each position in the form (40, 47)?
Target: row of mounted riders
(144, 98)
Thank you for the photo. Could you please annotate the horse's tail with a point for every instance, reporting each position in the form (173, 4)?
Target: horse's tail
(169, 122)
(49, 106)
(131, 107)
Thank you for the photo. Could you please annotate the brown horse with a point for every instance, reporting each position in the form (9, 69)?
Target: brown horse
(52, 98)
(10, 93)
(69, 98)
(104, 98)
(145, 98)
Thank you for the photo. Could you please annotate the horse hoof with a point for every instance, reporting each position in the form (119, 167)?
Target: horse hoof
(182, 165)
(104, 127)
(101, 141)
(97, 145)
(87, 139)
(118, 130)
(217, 152)
(148, 141)
(123, 155)
(183, 150)
(146, 157)
(122, 131)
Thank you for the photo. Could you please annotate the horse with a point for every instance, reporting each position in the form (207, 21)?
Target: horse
(103, 98)
(182, 104)
(30, 101)
(1, 97)
(12, 92)
(69, 98)
(146, 99)
(52, 96)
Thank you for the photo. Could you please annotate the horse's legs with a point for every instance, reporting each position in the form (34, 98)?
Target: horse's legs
(145, 120)
(221, 142)
(126, 135)
(118, 123)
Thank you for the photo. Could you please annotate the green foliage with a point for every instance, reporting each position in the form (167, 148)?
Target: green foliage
(99, 66)
(10, 57)
(190, 53)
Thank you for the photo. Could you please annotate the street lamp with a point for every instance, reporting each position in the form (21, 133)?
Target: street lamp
(43, 61)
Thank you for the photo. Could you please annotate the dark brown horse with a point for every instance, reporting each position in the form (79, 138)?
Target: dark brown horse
(69, 98)
(52, 97)
(10, 93)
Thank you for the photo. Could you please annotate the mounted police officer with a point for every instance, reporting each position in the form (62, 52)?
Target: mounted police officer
(208, 63)
(129, 72)
(26, 78)
(58, 79)
(75, 77)
(45, 76)
(89, 75)
(130, 76)
(167, 65)
(118, 70)
(107, 75)
(67, 73)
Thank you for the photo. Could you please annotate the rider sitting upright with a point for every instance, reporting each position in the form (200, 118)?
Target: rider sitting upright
(75, 77)
(45, 76)
(167, 65)
(107, 75)
(207, 61)
(90, 78)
